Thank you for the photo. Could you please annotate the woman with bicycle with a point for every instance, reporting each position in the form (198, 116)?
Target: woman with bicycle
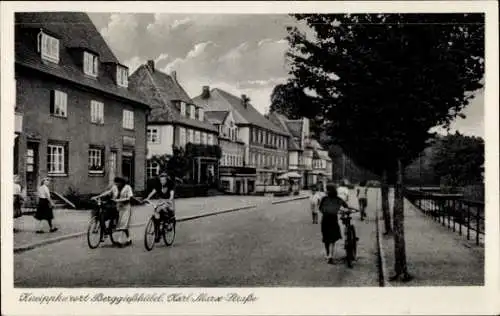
(330, 229)
(164, 189)
(121, 194)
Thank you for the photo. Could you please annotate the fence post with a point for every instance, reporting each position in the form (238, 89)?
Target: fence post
(459, 202)
(477, 225)
(468, 222)
(454, 208)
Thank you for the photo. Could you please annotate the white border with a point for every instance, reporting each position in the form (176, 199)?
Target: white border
(438, 300)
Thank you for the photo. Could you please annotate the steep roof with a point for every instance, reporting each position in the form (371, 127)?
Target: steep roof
(280, 120)
(295, 127)
(74, 30)
(161, 90)
(216, 117)
(222, 100)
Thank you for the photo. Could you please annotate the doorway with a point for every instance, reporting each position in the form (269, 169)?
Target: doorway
(128, 166)
(32, 166)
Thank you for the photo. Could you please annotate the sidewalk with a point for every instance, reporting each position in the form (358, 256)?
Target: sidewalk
(436, 256)
(75, 221)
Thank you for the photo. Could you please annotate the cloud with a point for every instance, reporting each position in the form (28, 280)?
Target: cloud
(133, 63)
(121, 34)
(181, 22)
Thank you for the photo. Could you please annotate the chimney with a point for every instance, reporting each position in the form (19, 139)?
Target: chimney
(151, 65)
(205, 94)
(173, 74)
(244, 100)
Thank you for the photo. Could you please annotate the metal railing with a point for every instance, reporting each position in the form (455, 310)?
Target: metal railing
(452, 211)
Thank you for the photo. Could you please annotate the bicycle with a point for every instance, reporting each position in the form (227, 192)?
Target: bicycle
(351, 240)
(166, 227)
(98, 229)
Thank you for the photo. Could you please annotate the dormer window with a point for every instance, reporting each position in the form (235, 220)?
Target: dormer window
(122, 76)
(48, 47)
(90, 64)
(183, 108)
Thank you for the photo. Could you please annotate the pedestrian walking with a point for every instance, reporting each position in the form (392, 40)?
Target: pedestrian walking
(18, 199)
(316, 197)
(45, 207)
(330, 228)
(343, 190)
(362, 195)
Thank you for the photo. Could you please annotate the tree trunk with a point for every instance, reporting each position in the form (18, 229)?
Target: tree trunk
(385, 204)
(400, 266)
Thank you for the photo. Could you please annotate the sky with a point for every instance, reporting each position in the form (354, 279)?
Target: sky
(242, 54)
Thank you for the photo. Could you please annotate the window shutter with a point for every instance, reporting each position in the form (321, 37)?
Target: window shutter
(52, 101)
(66, 158)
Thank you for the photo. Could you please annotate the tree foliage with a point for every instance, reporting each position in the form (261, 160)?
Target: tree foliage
(459, 160)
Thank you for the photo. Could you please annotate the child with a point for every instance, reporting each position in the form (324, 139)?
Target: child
(316, 198)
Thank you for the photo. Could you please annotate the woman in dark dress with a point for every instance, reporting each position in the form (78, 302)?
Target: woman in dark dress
(45, 206)
(330, 228)
(165, 190)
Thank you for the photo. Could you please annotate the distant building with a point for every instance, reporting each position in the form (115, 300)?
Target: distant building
(235, 176)
(175, 120)
(306, 156)
(266, 145)
(76, 119)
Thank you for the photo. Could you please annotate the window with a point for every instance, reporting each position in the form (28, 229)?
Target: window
(192, 112)
(90, 64)
(183, 109)
(58, 106)
(182, 136)
(96, 159)
(196, 113)
(56, 159)
(128, 119)
(201, 114)
(122, 76)
(204, 138)
(197, 137)
(152, 169)
(254, 135)
(96, 112)
(210, 139)
(153, 135)
(48, 47)
(191, 136)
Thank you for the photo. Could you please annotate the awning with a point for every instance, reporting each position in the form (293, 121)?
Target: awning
(290, 175)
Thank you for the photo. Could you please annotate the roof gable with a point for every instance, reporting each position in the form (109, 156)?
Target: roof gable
(249, 113)
(74, 30)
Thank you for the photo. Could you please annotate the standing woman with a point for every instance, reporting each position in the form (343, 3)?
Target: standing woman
(45, 206)
(18, 199)
(330, 228)
(121, 194)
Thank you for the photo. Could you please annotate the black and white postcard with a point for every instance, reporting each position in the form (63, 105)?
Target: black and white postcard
(222, 158)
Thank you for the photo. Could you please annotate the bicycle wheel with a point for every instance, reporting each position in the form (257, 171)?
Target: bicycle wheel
(149, 235)
(94, 233)
(351, 246)
(169, 232)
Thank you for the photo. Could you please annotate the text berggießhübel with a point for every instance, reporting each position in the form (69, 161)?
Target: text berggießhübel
(137, 298)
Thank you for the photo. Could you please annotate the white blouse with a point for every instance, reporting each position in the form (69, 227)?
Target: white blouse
(43, 192)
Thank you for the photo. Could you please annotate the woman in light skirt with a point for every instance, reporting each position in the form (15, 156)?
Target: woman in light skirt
(45, 207)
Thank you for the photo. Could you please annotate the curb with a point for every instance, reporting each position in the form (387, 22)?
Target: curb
(382, 266)
(290, 200)
(32, 246)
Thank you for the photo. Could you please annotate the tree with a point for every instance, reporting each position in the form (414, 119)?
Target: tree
(291, 101)
(459, 160)
(383, 81)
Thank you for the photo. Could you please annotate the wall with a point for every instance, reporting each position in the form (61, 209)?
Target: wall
(33, 100)
(166, 141)
(244, 133)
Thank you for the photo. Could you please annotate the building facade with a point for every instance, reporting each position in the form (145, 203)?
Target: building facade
(175, 121)
(235, 176)
(77, 122)
(266, 145)
(306, 156)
